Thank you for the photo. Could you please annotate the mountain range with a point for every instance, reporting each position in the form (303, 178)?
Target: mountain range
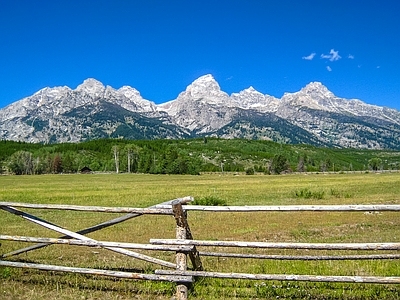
(313, 115)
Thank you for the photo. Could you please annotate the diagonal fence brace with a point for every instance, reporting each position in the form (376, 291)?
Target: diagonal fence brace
(78, 236)
(95, 227)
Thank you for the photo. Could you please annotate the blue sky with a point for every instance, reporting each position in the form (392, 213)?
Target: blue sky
(159, 47)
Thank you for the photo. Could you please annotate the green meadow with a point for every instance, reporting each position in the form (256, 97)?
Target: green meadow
(138, 190)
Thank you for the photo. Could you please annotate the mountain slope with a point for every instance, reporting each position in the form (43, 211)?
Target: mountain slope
(266, 126)
(313, 115)
(88, 112)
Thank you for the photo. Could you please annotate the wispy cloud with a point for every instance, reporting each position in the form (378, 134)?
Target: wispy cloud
(350, 56)
(332, 56)
(309, 57)
(329, 68)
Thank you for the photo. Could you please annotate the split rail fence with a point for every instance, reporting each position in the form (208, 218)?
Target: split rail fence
(184, 246)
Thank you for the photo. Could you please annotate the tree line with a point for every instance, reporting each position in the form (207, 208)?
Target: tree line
(186, 157)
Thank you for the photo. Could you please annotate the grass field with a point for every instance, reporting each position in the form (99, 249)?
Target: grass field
(145, 190)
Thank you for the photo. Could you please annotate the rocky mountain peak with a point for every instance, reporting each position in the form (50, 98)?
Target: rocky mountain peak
(129, 92)
(316, 89)
(205, 79)
(205, 87)
(91, 86)
(135, 101)
(313, 114)
(49, 93)
(250, 90)
(250, 98)
(314, 95)
(314, 85)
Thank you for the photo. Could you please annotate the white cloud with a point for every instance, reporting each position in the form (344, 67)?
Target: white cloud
(329, 68)
(309, 57)
(332, 56)
(350, 56)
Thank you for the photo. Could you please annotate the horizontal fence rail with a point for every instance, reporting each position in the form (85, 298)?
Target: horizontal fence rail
(167, 209)
(117, 274)
(280, 277)
(306, 246)
(93, 243)
(302, 257)
(291, 208)
(142, 211)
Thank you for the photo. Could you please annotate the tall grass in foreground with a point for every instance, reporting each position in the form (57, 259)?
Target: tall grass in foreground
(145, 190)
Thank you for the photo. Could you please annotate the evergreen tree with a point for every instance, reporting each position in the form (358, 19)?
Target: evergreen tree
(68, 163)
(279, 164)
(144, 164)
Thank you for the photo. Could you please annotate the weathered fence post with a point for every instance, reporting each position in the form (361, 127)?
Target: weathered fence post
(194, 255)
(181, 259)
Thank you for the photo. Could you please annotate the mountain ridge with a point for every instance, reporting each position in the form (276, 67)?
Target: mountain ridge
(62, 114)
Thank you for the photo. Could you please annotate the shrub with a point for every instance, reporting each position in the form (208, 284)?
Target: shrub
(5, 272)
(209, 201)
(307, 194)
(250, 171)
(303, 193)
(336, 193)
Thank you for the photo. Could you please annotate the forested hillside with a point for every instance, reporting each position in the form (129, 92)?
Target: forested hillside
(191, 156)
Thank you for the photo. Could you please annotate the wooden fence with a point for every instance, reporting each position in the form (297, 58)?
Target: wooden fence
(186, 247)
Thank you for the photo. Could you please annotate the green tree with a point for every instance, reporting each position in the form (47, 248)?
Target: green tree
(68, 163)
(21, 163)
(177, 161)
(375, 163)
(279, 164)
(145, 160)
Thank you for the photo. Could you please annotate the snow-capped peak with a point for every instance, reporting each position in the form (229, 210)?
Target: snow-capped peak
(315, 89)
(129, 92)
(250, 98)
(204, 85)
(91, 86)
(205, 88)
